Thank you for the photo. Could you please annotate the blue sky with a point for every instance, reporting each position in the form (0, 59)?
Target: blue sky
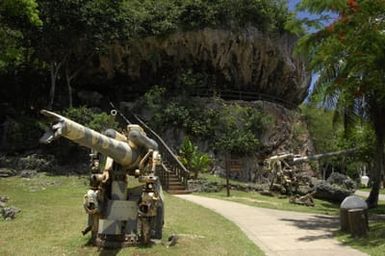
(292, 4)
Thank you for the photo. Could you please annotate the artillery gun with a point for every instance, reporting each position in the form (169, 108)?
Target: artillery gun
(117, 216)
(282, 167)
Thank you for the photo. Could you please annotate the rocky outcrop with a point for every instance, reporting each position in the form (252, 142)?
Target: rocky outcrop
(8, 213)
(246, 59)
(335, 189)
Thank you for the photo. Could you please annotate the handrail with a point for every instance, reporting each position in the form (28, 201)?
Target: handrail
(241, 95)
(168, 156)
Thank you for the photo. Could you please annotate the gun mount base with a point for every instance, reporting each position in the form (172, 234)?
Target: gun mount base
(116, 241)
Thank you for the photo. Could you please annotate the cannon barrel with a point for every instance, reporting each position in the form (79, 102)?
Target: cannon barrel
(117, 149)
(302, 159)
(292, 159)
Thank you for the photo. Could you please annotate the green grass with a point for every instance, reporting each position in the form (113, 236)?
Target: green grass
(374, 243)
(52, 217)
(382, 191)
(258, 200)
(219, 180)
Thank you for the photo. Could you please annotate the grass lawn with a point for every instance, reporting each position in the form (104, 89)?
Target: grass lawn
(52, 217)
(258, 200)
(374, 243)
(382, 191)
(218, 179)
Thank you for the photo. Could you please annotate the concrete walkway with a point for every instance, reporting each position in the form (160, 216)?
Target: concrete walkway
(281, 232)
(366, 194)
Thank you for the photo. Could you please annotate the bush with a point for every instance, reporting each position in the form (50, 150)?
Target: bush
(227, 127)
(91, 118)
(21, 134)
(67, 152)
(238, 129)
(193, 159)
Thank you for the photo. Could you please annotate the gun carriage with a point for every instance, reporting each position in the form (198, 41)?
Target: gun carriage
(282, 167)
(117, 215)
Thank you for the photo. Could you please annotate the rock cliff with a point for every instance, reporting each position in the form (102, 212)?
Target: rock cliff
(244, 60)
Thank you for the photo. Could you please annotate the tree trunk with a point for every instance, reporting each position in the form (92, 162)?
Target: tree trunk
(379, 126)
(54, 71)
(69, 87)
(53, 86)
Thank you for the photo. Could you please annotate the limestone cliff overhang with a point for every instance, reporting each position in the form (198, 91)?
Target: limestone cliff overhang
(245, 60)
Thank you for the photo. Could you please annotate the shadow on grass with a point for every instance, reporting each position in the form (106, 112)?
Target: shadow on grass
(106, 251)
(374, 238)
(109, 251)
(380, 209)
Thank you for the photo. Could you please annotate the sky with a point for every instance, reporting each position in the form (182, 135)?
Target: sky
(292, 4)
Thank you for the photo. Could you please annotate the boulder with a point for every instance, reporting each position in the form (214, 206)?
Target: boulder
(6, 172)
(36, 162)
(9, 213)
(28, 173)
(331, 192)
(342, 180)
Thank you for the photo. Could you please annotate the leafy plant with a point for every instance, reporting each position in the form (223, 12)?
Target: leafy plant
(193, 159)
(91, 119)
(238, 129)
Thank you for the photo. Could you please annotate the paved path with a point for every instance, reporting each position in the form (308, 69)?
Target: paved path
(281, 233)
(366, 194)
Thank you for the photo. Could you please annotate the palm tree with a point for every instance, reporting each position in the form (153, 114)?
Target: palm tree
(349, 56)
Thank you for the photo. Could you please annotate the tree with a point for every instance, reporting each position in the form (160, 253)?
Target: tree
(14, 15)
(74, 31)
(349, 55)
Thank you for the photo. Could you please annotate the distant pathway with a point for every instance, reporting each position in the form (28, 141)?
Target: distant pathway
(366, 194)
(281, 233)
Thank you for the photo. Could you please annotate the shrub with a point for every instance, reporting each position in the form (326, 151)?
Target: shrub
(67, 152)
(193, 159)
(21, 134)
(91, 118)
(238, 129)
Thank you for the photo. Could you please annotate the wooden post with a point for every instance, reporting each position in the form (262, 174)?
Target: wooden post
(344, 221)
(227, 166)
(357, 222)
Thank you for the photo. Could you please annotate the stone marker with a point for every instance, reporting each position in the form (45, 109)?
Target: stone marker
(354, 215)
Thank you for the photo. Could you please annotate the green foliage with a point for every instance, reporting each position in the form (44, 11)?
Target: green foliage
(179, 112)
(193, 159)
(228, 127)
(329, 135)
(323, 131)
(154, 17)
(91, 119)
(348, 53)
(322, 6)
(349, 56)
(153, 99)
(238, 129)
(21, 8)
(22, 133)
(15, 15)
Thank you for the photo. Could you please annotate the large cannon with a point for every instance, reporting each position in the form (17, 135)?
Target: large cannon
(282, 166)
(117, 216)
